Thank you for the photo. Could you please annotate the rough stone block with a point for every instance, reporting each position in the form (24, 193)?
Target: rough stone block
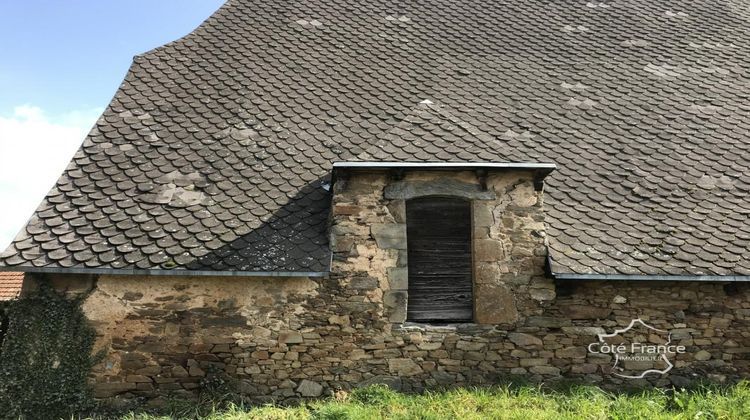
(110, 389)
(360, 185)
(346, 210)
(483, 215)
(196, 371)
(179, 372)
(143, 386)
(494, 305)
(542, 294)
(429, 346)
(132, 296)
(396, 302)
(587, 368)
(578, 352)
(481, 232)
(221, 348)
(524, 340)
(585, 312)
(389, 235)
(584, 331)
(290, 337)
(534, 362)
(470, 345)
(404, 367)
(345, 229)
(546, 322)
(719, 322)
(309, 388)
(524, 195)
(488, 250)
(246, 388)
(341, 244)
(364, 283)
(133, 361)
(342, 320)
(260, 355)
(149, 370)
(261, 332)
(545, 370)
(287, 384)
(443, 378)
(397, 208)
(487, 273)
(519, 354)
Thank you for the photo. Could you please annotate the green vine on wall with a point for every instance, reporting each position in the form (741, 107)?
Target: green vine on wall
(45, 357)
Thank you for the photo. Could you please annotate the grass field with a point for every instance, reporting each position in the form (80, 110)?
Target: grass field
(497, 403)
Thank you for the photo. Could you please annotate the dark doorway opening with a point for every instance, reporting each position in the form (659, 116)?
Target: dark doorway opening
(440, 265)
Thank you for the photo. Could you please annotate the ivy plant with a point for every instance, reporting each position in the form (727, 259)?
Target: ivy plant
(45, 357)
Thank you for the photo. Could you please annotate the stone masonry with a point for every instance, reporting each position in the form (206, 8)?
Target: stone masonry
(369, 238)
(283, 339)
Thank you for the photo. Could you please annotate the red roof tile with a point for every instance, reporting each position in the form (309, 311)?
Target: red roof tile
(10, 285)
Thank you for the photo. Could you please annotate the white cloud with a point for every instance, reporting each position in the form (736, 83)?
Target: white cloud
(34, 150)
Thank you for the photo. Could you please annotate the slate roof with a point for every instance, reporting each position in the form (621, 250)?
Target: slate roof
(216, 149)
(10, 285)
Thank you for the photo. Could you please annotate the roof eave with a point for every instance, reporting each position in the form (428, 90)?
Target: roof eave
(641, 277)
(540, 169)
(646, 277)
(165, 273)
(444, 165)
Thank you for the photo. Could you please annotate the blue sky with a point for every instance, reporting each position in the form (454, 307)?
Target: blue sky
(60, 64)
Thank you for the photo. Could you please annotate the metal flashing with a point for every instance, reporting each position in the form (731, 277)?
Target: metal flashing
(445, 165)
(139, 272)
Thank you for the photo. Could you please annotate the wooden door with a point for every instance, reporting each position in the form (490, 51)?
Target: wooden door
(440, 265)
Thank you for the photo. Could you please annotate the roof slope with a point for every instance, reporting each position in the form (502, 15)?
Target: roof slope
(213, 153)
(10, 285)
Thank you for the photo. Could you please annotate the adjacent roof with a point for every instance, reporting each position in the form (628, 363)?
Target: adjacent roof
(10, 285)
(215, 150)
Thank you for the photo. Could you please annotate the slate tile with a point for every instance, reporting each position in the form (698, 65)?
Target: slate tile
(608, 95)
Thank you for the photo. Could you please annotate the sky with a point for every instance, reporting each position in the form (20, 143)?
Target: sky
(60, 64)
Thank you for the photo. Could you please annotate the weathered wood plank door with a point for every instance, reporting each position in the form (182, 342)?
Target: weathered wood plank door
(440, 265)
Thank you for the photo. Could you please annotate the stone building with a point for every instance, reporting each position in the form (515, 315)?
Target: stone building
(316, 195)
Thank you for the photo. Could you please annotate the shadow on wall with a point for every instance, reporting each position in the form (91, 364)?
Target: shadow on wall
(292, 239)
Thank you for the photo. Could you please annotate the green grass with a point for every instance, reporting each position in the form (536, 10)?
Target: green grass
(497, 403)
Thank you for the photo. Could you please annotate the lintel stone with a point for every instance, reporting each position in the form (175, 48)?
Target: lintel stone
(405, 190)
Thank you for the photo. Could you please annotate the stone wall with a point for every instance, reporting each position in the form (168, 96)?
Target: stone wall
(369, 238)
(289, 338)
